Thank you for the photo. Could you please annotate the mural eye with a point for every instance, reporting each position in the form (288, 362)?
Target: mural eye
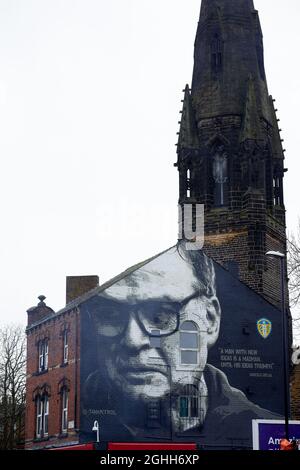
(167, 318)
(110, 322)
(163, 319)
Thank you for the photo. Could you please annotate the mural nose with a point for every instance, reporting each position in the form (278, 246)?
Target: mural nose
(134, 336)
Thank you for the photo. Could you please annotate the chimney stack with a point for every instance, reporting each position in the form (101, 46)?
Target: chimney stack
(79, 285)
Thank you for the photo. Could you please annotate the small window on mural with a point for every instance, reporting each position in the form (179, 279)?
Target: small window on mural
(189, 402)
(155, 339)
(154, 410)
(183, 407)
(188, 340)
(189, 343)
(188, 326)
(153, 414)
(189, 357)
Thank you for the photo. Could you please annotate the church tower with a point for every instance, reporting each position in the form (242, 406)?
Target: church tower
(230, 155)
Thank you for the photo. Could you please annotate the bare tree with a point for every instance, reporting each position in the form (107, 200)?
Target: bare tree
(293, 266)
(12, 385)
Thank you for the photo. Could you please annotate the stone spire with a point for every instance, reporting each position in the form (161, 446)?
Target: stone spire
(228, 48)
(226, 7)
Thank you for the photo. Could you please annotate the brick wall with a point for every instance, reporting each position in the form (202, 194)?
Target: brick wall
(244, 237)
(264, 274)
(226, 247)
(57, 375)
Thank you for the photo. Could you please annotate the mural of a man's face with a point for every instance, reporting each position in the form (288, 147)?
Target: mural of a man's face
(162, 298)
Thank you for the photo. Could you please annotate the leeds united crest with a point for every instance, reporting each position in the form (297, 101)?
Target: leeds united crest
(264, 327)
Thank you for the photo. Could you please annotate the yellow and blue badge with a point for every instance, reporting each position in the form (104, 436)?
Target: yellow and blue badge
(264, 327)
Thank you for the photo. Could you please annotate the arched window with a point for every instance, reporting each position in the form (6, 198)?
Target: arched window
(277, 191)
(65, 347)
(189, 343)
(64, 406)
(64, 390)
(220, 176)
(42, 415)
(43, 354)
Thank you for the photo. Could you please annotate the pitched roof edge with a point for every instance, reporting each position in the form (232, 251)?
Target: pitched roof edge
(79, 300)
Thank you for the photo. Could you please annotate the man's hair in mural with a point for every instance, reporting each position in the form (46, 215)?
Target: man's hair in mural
(202, 266)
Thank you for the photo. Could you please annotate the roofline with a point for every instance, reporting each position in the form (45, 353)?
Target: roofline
(79, 300)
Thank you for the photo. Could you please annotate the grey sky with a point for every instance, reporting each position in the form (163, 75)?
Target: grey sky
(90, 95)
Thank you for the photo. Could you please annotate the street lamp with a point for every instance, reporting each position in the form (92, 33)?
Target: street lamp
(281, 256)
(96, 429)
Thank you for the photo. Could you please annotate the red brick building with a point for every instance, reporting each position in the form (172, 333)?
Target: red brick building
(53, 386)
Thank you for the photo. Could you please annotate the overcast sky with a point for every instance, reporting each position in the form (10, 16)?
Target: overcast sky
(90, 94)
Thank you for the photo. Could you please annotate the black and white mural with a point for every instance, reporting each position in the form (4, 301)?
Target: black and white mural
(178, 349)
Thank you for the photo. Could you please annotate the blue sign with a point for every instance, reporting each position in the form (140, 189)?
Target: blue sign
(268, 433)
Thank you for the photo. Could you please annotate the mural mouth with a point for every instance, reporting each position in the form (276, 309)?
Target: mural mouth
(140, 374)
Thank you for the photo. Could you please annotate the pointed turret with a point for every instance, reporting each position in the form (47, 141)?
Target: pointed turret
(252, 127)
(276, 140)
(188, 135)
